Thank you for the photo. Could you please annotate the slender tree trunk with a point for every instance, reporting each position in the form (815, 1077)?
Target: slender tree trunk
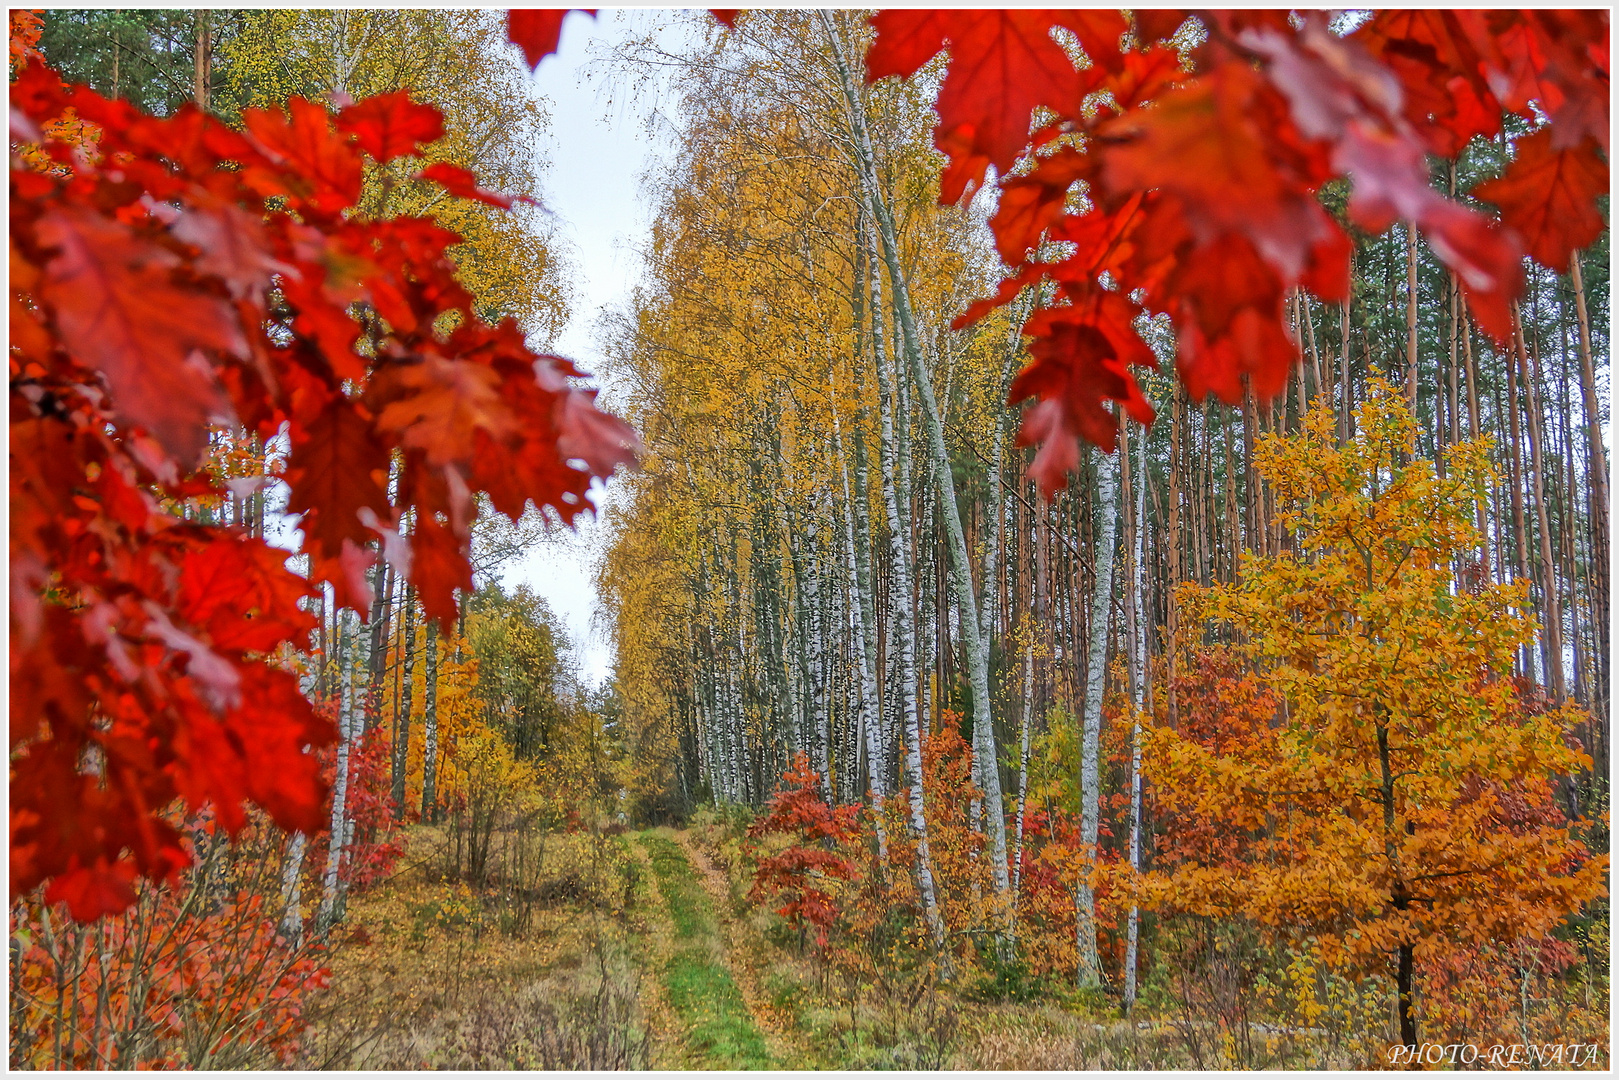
(1411, 318)
(1550, 607)
(814, 651)
(1090, 778)
(977, 650)
(202, 58)
(1024, 727)
(1597, 481)
(904, 619)
(1520, 566)
(1346, 407)
(402, 708)
(1455, 361)
(1172, 544)
(1137, 643)
(346, 723)
(1470, 369)
(292, 890)
(430, 727)
(870, 706)
(381, 610)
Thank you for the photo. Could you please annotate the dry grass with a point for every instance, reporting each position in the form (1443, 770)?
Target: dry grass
(430, 975)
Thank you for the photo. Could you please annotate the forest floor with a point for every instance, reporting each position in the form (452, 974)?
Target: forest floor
(641, 950)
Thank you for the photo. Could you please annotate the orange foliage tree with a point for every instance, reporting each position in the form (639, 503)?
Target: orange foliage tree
(198, 976)
(1403, 799)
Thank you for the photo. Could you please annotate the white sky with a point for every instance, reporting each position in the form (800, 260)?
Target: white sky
(599, 146)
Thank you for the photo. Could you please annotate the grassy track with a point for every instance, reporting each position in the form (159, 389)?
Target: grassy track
(720, 1033)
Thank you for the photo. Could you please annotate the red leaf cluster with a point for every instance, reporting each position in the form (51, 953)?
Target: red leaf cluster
(170, 968)
(818, 833)
(169, 274)
(1200, 179)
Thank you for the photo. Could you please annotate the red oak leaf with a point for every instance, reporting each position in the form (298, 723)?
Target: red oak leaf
(1221, 146)
(318, 167)
(438, 559)
(536, 30)
(96, 890)
(1446, 94)
(119, 311)
(276, 726)
(1550, 197)
(336, 468)
(463, 184)
(240, 592)
(388, 126)
(1003, 65)
(346, 571)
(436, 404)
(1158, 25)
(602, 441)
(1030, 203)
(1082, 358)
(231, 245)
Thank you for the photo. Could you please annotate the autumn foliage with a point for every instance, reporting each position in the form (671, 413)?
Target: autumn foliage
(1400, 797)
(195, 976)
(169, 274)
(1199, 155)
(172, 275)
(800, 874)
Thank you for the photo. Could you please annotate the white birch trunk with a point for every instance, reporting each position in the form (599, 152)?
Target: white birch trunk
(977, 649)
(904, 622)
(1089, 968)
(814, 653)
(1023, 777)
(340, 786)
(430, 728)
(292, 890)
(865, 648)
(1136, 609)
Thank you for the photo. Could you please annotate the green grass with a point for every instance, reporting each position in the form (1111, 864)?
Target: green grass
(682, 894)
(719, 1031)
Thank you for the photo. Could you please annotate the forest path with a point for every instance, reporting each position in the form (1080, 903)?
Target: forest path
(745, 956)
(719, 1025)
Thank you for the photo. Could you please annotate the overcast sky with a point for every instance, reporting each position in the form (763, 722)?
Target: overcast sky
(599, 147)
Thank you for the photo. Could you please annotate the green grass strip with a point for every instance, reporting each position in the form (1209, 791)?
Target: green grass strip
(689, 908)
(720, 1031)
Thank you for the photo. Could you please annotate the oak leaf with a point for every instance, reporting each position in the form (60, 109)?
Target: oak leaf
(536, 30)
(1550, 197)
(388, 126)
(119, 311)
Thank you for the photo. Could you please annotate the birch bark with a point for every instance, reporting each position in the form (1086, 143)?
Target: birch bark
(430, 727)
(865, 648)
(966, 600)
(1089, 968)
(904, 617)
(325, 915)
(1135, 607)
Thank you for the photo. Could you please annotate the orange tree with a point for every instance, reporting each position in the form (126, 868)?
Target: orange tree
(1386, 813)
